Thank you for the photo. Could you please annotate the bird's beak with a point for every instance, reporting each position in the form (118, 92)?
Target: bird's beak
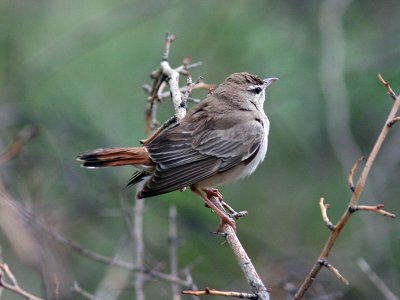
(268, 81)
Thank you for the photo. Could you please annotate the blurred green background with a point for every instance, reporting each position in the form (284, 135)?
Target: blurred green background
(75, 69)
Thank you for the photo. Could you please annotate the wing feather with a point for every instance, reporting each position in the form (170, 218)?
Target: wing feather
(191, 152)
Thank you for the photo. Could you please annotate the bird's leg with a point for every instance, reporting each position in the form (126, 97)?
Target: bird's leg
(223, 217)
(233, 213)
(212, 192)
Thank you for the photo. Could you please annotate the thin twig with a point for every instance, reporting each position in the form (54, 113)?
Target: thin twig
(13, 286)
(211, 292)
(352, 171)
(387, 86)
(374, 278)
(334, 271)
(374, 208)
(171, 76)
(188, 275)
(324, 207)
(77, 289)
(359, 187)
(31, 220)
(173, 250)
(161, 96)
(23, 136)
(139, 248)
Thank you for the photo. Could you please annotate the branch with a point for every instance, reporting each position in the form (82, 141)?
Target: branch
(382, 287)
(137, 234)
(211, 292)
(248, 269)
(387, 86)
(169, 75)
(375, 208)
(30, 220)
(324, 207)
(173, 250)
(334, 271)
(85, 294)
(25, 134)
(351, 173)
(13, 286)
(353, 204)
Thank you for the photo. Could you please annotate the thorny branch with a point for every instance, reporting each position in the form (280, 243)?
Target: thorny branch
(356, 193)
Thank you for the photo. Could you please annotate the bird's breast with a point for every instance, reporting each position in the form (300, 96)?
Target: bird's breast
(262, 151)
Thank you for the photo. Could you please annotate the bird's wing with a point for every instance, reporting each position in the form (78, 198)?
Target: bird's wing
(191, 152)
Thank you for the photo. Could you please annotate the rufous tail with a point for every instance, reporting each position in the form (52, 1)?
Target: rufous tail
(114, 157)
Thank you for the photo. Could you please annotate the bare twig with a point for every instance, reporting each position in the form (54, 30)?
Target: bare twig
(351, 173)
(334, 271)
(139, 248)
(211, 292)
(248, 269)
(359, 187)
(77, 289)
(166, 74)
(374, 208)
(13, 286)
(173, 250)
(324, 207)
(374, 278)
(188, 275)
(387, 86)
(26, 133)
(31, 220)
(161, 96)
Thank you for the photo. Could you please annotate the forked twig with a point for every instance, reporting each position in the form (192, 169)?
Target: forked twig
(353, 203)
(13, 286)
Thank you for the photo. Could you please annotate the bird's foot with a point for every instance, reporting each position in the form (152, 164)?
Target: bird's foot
(212, 192)
(225, 220)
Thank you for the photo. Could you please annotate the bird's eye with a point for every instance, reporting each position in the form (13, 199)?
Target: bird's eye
(256, 89)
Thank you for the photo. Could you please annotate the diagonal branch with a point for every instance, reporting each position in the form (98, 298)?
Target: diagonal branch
(26, 133)
(358, 189)
(374, 278)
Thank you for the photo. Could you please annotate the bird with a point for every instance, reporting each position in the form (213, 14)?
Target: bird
(220, 140)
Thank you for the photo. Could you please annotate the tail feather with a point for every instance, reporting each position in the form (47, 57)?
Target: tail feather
(113, 157)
